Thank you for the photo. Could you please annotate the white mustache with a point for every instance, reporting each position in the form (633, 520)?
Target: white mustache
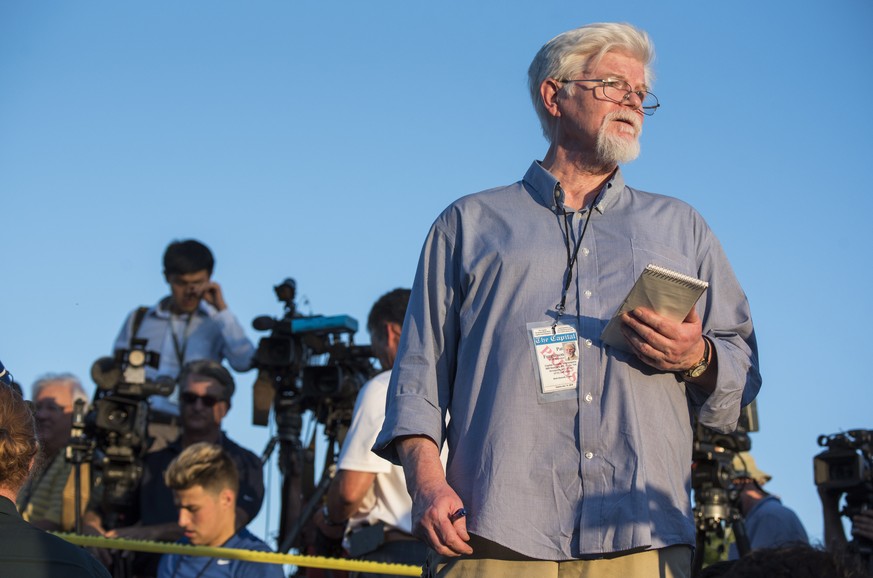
(627, 116)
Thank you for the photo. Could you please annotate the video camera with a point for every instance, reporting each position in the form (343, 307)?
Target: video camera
(120, 412)
(847, 466)
(114, 433)
(716, 496)
(712, 474)
(307, 363)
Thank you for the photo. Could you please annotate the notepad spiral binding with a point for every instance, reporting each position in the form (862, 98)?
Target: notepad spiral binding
(669, 274)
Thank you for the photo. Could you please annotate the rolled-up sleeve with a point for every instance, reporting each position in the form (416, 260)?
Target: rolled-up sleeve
(421, 382)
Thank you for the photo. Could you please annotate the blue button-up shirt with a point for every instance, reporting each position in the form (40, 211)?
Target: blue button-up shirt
(608, 468)
(209, 334)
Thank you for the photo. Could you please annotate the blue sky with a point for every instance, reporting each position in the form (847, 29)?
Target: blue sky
(319, 140)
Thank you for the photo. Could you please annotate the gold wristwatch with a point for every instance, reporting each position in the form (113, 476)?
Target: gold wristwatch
(700, 367)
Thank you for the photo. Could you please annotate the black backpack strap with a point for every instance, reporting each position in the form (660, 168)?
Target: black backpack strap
(138, 316)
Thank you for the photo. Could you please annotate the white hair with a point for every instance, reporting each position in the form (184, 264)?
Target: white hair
(76, 390)
(581, 49)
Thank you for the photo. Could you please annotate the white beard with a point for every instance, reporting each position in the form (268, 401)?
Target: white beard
(613, 149)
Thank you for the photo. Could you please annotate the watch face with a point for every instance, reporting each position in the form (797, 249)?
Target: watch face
(697, 370)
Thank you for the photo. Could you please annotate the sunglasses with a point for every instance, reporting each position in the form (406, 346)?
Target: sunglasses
(191, 398)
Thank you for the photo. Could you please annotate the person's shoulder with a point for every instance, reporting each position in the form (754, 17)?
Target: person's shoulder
(57, 556)
(636, 197)
(490, 195)
(376, 384)
(234, 448)
(245, 540)
(164, 456)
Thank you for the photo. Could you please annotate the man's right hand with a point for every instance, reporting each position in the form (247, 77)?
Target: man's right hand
(433, 500)
(432, 510)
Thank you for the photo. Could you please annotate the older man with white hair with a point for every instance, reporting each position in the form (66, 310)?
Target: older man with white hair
(48, 499)
(559, 466)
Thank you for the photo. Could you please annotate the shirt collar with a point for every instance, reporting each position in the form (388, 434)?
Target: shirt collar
(547, 188)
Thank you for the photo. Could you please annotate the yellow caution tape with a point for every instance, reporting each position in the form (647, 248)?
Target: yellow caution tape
(247, 555)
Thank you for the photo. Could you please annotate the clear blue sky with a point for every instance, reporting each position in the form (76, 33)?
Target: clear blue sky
(319, 140)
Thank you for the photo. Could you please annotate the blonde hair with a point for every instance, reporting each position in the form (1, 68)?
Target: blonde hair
(18, 442)
(202, 464)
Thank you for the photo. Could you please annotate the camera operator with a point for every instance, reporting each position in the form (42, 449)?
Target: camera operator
(769, 524)
(834, 536)
(206, 388)
(368, 496)
(193, 322)
(48, 499)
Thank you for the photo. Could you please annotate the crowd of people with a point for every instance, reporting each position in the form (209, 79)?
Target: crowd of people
(480, 450)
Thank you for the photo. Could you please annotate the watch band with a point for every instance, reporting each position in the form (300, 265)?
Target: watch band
(701, 366)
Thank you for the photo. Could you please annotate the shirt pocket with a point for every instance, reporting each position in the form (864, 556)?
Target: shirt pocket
(647, 252)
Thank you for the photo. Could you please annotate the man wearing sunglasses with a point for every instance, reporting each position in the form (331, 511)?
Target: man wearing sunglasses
(205, 391)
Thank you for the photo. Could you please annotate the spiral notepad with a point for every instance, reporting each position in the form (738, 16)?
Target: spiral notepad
(667, 292)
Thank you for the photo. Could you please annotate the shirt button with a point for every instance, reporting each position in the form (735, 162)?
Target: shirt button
(589, 455)
(587, 294)
(588, 343)
(588, 398)
(585, 251)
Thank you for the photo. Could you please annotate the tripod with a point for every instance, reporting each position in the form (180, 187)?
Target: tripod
(301, 496)
(716, 510)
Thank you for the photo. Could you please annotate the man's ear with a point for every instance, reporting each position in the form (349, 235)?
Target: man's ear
(549, 90)
(227, 498)
(393, 331)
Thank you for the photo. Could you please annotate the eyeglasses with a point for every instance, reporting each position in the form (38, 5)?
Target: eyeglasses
(198, 285)
(620, 91)
(49, 406)
(191, 398)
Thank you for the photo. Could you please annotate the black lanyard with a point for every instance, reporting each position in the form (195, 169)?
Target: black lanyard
(180, 350)
(571, 257)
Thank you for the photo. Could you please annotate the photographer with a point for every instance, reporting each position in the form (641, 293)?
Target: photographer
(378, 529)
(206, 388)
(193, 322)
(845, 470)
(48, 499)
(769, 524)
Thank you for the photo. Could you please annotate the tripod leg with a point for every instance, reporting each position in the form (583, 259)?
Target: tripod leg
(291, 506)
(306, 513)
(699, 547)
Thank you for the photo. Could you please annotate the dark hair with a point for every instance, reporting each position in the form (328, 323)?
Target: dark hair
(211, 369)
(390, 307)
(190, 256)
(18, 443)
(800, 561)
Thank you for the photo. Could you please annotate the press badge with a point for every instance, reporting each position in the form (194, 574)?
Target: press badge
(557, 353)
